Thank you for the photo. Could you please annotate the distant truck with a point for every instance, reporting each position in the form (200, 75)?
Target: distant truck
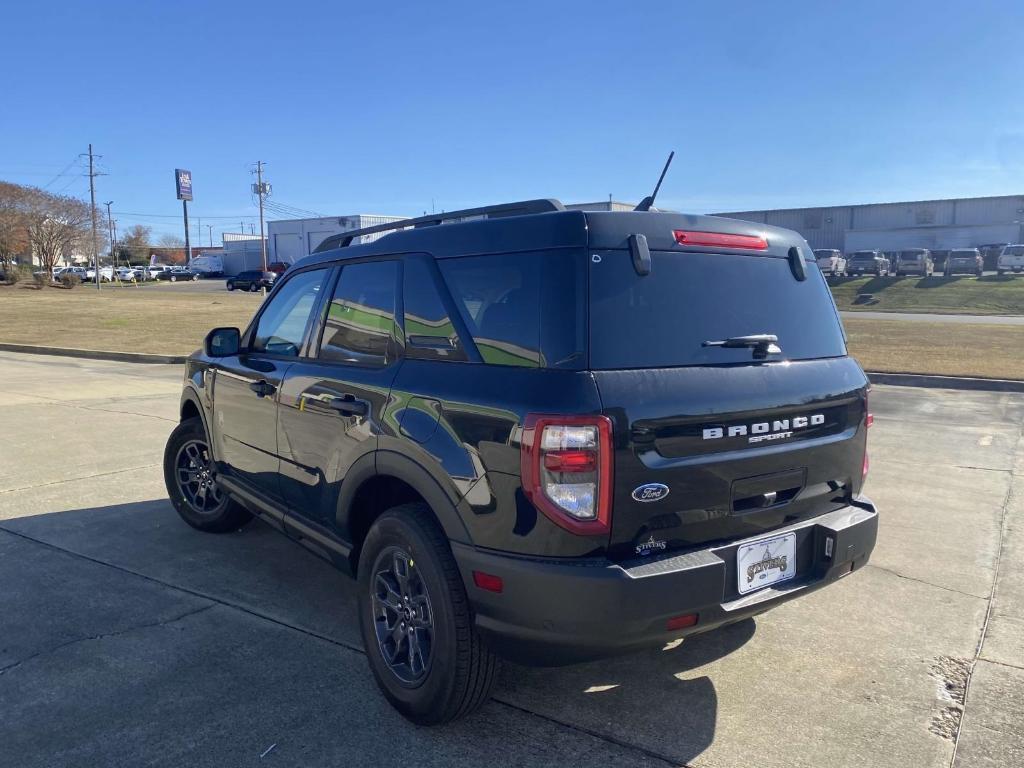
(207, 266)
(1011, 260)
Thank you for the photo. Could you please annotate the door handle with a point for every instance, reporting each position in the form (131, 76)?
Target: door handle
(347, 405)
(262, 388)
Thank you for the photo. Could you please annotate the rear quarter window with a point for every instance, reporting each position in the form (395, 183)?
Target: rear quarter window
(522, 309)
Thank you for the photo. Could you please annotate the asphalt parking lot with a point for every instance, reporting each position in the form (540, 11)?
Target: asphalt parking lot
(127, 638)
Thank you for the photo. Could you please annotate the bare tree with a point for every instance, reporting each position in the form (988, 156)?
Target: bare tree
(58, 225)
(170, 241)
(133, 246)
(13, 224)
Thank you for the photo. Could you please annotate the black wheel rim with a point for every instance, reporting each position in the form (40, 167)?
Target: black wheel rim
(402, 617)
(194, 472)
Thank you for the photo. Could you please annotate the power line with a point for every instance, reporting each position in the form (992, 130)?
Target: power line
(234, 216)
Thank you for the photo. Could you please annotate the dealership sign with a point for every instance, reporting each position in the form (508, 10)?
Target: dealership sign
(183, 183)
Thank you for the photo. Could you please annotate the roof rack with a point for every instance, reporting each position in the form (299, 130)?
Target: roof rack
(344, 239)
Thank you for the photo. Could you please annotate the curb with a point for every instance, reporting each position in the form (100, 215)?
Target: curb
(95, 354)
(946, 382)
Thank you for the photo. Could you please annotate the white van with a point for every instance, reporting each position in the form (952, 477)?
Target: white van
(207, 266)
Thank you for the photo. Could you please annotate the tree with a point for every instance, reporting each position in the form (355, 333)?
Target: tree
(133, 246)
(58, 226)
(13, 224)
(170, 241)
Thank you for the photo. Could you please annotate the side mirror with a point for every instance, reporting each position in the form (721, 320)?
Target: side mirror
(222, 342)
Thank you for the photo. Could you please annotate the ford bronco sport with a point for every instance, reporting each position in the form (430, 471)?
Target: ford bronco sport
(541, 434)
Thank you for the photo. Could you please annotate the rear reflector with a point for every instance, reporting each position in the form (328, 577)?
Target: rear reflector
(721, 240)
(488, 581)
(681, 622)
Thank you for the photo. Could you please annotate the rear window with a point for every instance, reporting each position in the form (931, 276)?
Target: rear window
(522, 309)
(863, 256)
(1014, 250)
(911, 255)
(661, 320)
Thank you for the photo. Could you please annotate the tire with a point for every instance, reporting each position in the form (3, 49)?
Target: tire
(459, 672)
(230, 286)
(187, 453)
(174, 278)
(253, 287)
(194, 278)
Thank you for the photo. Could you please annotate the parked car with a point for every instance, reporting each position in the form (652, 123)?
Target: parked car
(965, 261)
(915, 261)
(1011, 259)
(106, 274)
(939, 257)
(278, 267)
(867, 263)
(155, 269)
(482, 422)
(990, 254)
(141, 273)
(176, 274)
(830, 261)
(80, 272)
(126, 274)
(207, 265)
(251, 280)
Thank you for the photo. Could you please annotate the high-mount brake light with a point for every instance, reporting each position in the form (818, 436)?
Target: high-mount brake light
(566, 464)
(720, 240)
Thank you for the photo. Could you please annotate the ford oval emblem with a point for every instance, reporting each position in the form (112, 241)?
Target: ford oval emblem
(650, 492)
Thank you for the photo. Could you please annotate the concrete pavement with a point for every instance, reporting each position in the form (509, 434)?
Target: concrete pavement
(128, 638)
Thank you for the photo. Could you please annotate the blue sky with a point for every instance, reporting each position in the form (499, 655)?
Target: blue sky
(392, 108)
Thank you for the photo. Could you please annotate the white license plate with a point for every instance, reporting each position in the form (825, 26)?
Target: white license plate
(765, 562)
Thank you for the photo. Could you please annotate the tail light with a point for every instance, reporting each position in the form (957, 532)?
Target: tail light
(720, 240)
(567, 470)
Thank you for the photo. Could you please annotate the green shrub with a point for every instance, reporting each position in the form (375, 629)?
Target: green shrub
(68, 280)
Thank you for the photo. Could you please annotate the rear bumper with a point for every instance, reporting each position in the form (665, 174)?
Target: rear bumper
(554, 612)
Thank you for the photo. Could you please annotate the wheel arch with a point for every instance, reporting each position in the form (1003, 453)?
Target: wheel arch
(381, 480)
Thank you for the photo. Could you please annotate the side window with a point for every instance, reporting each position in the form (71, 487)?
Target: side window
(282, 325)
(524, 309)
(429, 332)
(359, 326)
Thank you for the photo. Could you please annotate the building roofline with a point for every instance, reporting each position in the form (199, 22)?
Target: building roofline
(868, 205)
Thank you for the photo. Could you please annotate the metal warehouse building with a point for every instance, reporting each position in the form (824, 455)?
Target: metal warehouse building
(288, 240)
(934, 224)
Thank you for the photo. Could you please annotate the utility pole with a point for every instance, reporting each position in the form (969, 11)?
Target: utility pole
(199, 231)
(262, 190)
(92, 200)
(110, 233)
(209, 229)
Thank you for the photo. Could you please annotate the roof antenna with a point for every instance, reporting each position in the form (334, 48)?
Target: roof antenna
(647, 202)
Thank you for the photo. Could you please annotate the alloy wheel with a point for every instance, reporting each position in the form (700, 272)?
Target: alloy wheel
(402, 616)
(194, 473)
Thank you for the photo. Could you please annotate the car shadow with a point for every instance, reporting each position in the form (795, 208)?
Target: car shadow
(662, 700)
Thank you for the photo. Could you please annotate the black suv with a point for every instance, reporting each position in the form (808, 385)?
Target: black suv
(251, 280)
(868, 263)
(542, 434)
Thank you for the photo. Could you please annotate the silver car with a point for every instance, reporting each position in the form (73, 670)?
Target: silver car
(915, 261)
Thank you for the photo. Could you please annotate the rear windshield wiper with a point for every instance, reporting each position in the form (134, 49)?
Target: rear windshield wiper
(763, 344)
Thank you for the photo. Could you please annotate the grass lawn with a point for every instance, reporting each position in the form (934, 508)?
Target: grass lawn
(989, 295)
(124, 319)
(172, 322)
(950, 349)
